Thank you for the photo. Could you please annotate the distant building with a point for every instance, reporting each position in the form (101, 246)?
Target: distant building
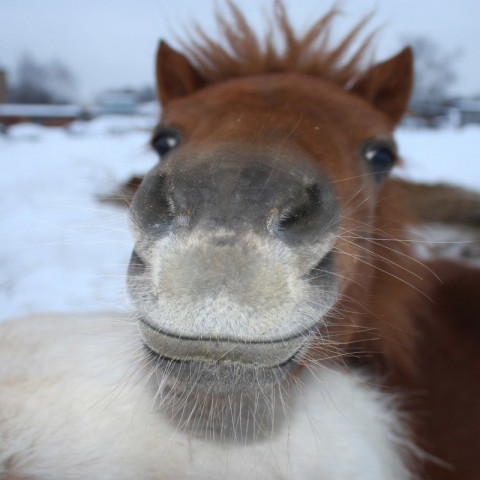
(456, 113)
(3, 87)
(118, 101)
(48, 115)
(427, 114)
(467, 110)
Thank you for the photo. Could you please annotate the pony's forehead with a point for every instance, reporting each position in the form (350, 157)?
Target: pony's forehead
(275, 102)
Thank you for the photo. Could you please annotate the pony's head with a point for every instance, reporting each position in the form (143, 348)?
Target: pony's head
(255, 232)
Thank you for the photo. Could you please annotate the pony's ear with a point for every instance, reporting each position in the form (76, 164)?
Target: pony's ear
(387, 85)
(176, 76)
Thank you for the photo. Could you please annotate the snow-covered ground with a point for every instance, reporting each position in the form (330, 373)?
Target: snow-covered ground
(450, 155)
(63, 250)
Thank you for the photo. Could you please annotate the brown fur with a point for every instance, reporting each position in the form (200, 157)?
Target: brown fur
(394, 314)
(443, 395)
(387, 287)
(443, 203)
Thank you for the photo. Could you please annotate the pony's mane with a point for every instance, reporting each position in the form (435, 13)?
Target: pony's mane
(241, 52)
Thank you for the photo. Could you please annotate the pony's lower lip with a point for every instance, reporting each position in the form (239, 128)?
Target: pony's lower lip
(185, 368)
(270, 353)
(221, 377)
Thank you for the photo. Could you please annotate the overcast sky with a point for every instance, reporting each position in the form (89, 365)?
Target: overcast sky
(111, 43)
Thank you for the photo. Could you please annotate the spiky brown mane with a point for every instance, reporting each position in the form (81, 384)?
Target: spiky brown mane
(241, 52)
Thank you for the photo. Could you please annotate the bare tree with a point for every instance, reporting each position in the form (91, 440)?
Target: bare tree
(146, 93)
(61, 81)
(38, 83)
(434, 70)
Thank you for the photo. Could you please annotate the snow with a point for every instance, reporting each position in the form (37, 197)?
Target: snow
(448, 155)
(63, 250)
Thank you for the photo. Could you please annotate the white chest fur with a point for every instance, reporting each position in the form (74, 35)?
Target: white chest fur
(73, 405)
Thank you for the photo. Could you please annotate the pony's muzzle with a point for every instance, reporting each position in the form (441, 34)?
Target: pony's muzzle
(229, 272)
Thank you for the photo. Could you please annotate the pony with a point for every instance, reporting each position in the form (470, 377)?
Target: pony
(282, 325)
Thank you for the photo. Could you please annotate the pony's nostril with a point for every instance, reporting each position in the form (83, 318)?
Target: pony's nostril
(299, 210)
(153, 206)
(291, 216)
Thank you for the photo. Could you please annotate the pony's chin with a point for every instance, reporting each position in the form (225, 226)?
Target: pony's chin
(220, 377)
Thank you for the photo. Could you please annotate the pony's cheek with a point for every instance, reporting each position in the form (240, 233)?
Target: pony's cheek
(348, 263)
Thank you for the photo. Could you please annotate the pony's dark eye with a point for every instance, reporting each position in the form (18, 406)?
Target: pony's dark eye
(381, 159)
(164, 140)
